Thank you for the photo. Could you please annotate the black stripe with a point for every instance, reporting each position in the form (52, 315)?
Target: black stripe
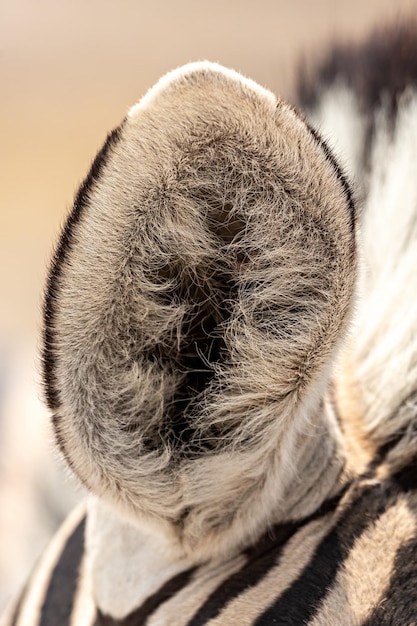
(406, 477)
(141, 614)
(401, 434)
(262, 557)
(378, 70)
(59, 599)
(399, 604)
(302, 600)
(19, 604)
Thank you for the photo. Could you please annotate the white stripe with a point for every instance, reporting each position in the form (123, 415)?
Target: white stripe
(84, 611)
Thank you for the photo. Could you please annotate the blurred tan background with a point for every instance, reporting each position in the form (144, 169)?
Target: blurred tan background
(69, 70)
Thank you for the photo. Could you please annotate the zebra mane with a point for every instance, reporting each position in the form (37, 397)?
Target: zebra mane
(200, 291)
(364, 99)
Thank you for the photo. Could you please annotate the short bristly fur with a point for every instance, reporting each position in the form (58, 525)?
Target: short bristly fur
(197, 298)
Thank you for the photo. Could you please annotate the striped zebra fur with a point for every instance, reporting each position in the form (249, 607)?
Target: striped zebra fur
(326, 569)
(279, 484)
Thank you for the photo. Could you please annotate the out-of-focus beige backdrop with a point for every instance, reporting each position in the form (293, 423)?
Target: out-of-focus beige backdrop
(69, 70)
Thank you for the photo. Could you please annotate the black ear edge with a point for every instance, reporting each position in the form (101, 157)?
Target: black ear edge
(336, 167)
(341, 176)
(58, 260)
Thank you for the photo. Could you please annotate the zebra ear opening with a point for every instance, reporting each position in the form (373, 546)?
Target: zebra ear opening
(200, 288)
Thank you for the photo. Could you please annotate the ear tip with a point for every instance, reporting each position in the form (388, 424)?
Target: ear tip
(220, 81)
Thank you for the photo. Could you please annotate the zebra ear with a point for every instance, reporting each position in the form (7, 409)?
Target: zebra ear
(196, 298)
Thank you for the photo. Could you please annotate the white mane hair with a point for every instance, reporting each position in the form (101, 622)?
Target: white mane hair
(379, 362)
(197, 299)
